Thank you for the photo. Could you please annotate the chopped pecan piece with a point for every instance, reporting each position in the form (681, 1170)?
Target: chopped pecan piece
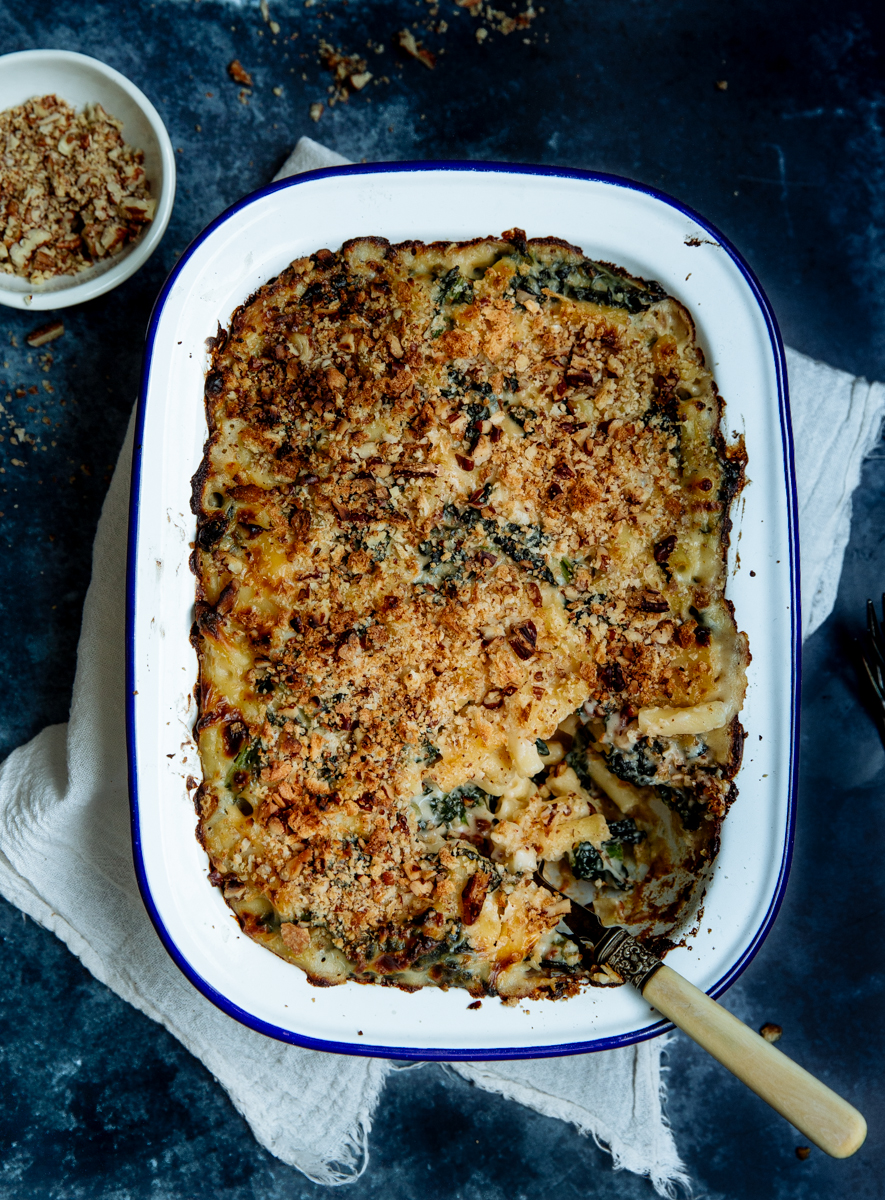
(238, 73)
(295, 937)
(473, 897)
(414, 49)
(771, 1032)
(46, 333)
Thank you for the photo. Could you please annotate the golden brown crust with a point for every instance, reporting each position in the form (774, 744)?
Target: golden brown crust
(453, 496)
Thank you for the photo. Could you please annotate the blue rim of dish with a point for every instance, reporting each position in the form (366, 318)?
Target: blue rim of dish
(457, 1054)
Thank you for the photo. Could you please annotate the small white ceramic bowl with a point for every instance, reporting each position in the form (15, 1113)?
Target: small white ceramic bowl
(81, 80)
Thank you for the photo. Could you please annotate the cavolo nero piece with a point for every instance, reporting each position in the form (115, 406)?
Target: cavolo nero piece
(444, 549)
(625, 832)
(449, 807)
(639, 767)
(251, 758)
(593, 281)
(453, 288)
(588, 863)
(683, 803)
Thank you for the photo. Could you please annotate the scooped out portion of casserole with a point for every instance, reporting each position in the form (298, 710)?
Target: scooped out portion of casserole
(462, 524)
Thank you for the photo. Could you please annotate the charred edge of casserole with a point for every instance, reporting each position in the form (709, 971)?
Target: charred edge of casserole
(511, 239)
(733, 458)
(731, 767)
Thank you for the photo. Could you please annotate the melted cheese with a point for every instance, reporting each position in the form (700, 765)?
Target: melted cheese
(453, 496)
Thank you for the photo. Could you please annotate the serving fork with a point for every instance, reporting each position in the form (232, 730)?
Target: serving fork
(814, 1109)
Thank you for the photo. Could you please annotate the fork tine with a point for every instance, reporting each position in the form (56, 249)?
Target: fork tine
(874, 631)
(879, 704)
(877, 659)
(878, 684)
(873, 659)
(873, 627)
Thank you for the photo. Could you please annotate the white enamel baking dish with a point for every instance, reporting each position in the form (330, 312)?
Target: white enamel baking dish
(612, 220)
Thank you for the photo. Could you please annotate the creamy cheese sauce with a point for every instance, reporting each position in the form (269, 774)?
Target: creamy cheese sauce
(462, 522)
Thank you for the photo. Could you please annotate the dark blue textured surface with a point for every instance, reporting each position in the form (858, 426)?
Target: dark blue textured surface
(790, 163)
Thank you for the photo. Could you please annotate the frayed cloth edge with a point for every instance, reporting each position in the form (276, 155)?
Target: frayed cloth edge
(667, 1174)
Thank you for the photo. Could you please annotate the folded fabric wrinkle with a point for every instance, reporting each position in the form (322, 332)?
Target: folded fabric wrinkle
(66, 858)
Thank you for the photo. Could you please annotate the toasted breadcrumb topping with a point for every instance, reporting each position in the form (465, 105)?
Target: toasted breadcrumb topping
(462, 523)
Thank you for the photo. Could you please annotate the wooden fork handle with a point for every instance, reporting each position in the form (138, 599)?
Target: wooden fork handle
(822, 1116)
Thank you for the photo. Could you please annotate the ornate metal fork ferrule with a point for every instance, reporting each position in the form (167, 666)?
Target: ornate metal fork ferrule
(628, 957)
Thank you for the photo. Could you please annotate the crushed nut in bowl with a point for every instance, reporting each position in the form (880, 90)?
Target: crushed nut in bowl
(71, 190)
(87, 179)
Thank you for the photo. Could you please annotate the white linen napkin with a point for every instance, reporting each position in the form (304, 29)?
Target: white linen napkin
(66, 860)
(837, 420)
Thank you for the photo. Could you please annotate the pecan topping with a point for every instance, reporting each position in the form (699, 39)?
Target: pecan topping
(473, 897)
(612, 677)
(653, 604)
(664, 548)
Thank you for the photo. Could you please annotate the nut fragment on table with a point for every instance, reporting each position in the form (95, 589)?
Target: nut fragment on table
(46, 333)
(771, 1032)
(238, 73)
(71, 190)
(414, 49)
(348, 71)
